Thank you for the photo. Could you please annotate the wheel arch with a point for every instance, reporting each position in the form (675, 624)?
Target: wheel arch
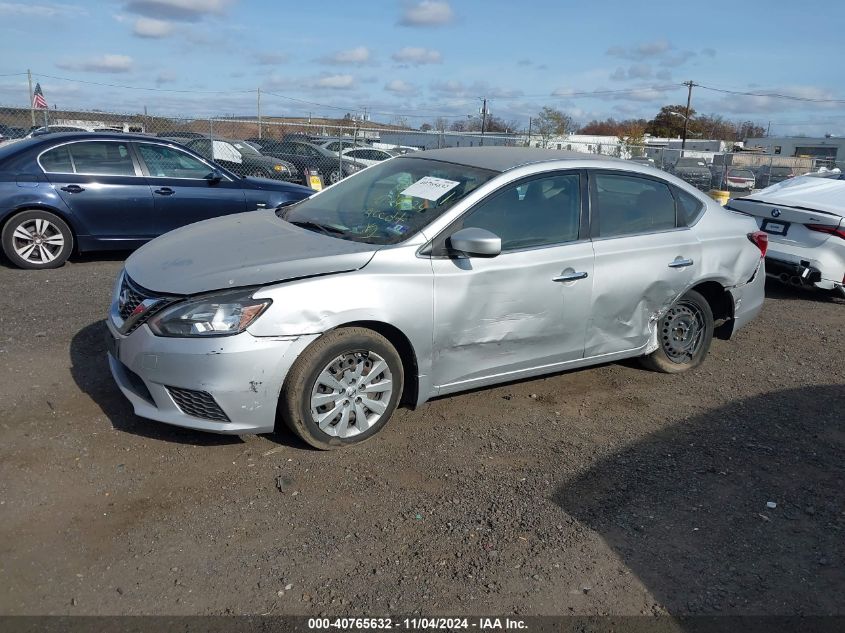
(721, 304)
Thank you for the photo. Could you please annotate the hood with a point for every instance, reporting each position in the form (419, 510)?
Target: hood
(245, 249)
(807, 192)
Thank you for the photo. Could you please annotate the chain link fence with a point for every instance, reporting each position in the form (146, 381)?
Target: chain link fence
(319, 152)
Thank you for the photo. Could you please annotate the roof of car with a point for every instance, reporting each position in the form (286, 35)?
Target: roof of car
(502, 158)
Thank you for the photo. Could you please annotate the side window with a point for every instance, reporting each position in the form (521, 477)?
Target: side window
(627, 205)
(102, 158)
(539, 212)
(166, 162)
(689, 208)
(334, 147)
(57, 161)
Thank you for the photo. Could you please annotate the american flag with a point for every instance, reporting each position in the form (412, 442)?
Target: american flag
(38, 100)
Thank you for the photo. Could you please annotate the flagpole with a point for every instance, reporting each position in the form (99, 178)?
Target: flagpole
(31, 98)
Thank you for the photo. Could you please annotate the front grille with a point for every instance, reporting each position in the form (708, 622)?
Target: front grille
(199, 404)
(130, 298)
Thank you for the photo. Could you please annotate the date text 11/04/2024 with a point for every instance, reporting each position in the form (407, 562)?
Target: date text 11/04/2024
(420, 623)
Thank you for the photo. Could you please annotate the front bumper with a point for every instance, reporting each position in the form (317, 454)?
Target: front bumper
(242, 373)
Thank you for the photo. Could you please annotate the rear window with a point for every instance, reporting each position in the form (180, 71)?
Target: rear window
(690, 162)
(741, 173)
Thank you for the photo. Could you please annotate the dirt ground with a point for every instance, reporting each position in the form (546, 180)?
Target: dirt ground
(607, 490)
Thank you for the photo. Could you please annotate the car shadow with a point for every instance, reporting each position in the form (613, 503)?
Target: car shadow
(738, 510)
(90, 371)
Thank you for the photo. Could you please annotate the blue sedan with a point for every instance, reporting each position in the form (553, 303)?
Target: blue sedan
(61, 193)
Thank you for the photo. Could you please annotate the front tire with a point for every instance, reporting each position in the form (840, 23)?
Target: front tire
(684, 336)
(342, 389)
(37, 240)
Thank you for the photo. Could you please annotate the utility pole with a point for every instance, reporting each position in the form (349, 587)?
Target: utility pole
(768, 129)
(258, 94)
(483, 115)
(529, 131)
(689, 84)
(31, 104)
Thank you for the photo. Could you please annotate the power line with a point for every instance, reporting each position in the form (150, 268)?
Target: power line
(773, 95)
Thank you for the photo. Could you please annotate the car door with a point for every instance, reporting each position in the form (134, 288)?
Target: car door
(182, 190)
(644, 259)
(104, 189)
(526, 308)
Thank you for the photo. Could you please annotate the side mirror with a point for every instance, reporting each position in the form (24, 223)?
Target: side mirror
(475, 242)
(214, 177)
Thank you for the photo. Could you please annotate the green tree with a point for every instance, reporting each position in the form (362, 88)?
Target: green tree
(551, 122)
(669, 122)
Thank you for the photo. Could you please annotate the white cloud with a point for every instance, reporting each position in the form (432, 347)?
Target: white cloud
(357, 55)
(417, 56)
(634, 71)
(399, 87)
(335, 82)
(427, 13)
(102, 64)
(152, 28)
(39, 10)
(179, 10)
(475, 90)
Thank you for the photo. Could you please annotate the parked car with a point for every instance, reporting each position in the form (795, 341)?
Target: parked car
(338, 145)
(243, 159)
(694, 171)
(732, 178)
(803, 217)
(422, 276)
(366, 156)
(767, 175)
(67, 192)
(308, 157)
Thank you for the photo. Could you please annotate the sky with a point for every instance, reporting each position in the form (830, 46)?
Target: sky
(420, 59)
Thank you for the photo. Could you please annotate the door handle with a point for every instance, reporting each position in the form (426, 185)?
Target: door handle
(73, 188)
(570, 276)
(680, 262)
(164, 191)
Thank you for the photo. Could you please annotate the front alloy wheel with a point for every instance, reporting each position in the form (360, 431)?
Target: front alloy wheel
(343, 388)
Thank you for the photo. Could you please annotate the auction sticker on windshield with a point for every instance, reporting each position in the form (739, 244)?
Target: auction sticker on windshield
(430, 188)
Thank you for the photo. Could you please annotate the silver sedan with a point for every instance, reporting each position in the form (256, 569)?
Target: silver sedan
(425, 275)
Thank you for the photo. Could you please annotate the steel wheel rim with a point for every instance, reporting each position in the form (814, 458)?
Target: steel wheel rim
(682, 331)
(351, 393)
(37, 241)
(335, 177)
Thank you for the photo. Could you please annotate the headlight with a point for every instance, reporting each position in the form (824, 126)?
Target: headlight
(279, 168)
(216, 315)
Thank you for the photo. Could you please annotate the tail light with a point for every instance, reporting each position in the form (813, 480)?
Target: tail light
(838, 231)
(760, 239)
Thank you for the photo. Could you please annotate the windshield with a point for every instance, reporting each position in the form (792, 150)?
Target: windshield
(389, 202)
(245, 148)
